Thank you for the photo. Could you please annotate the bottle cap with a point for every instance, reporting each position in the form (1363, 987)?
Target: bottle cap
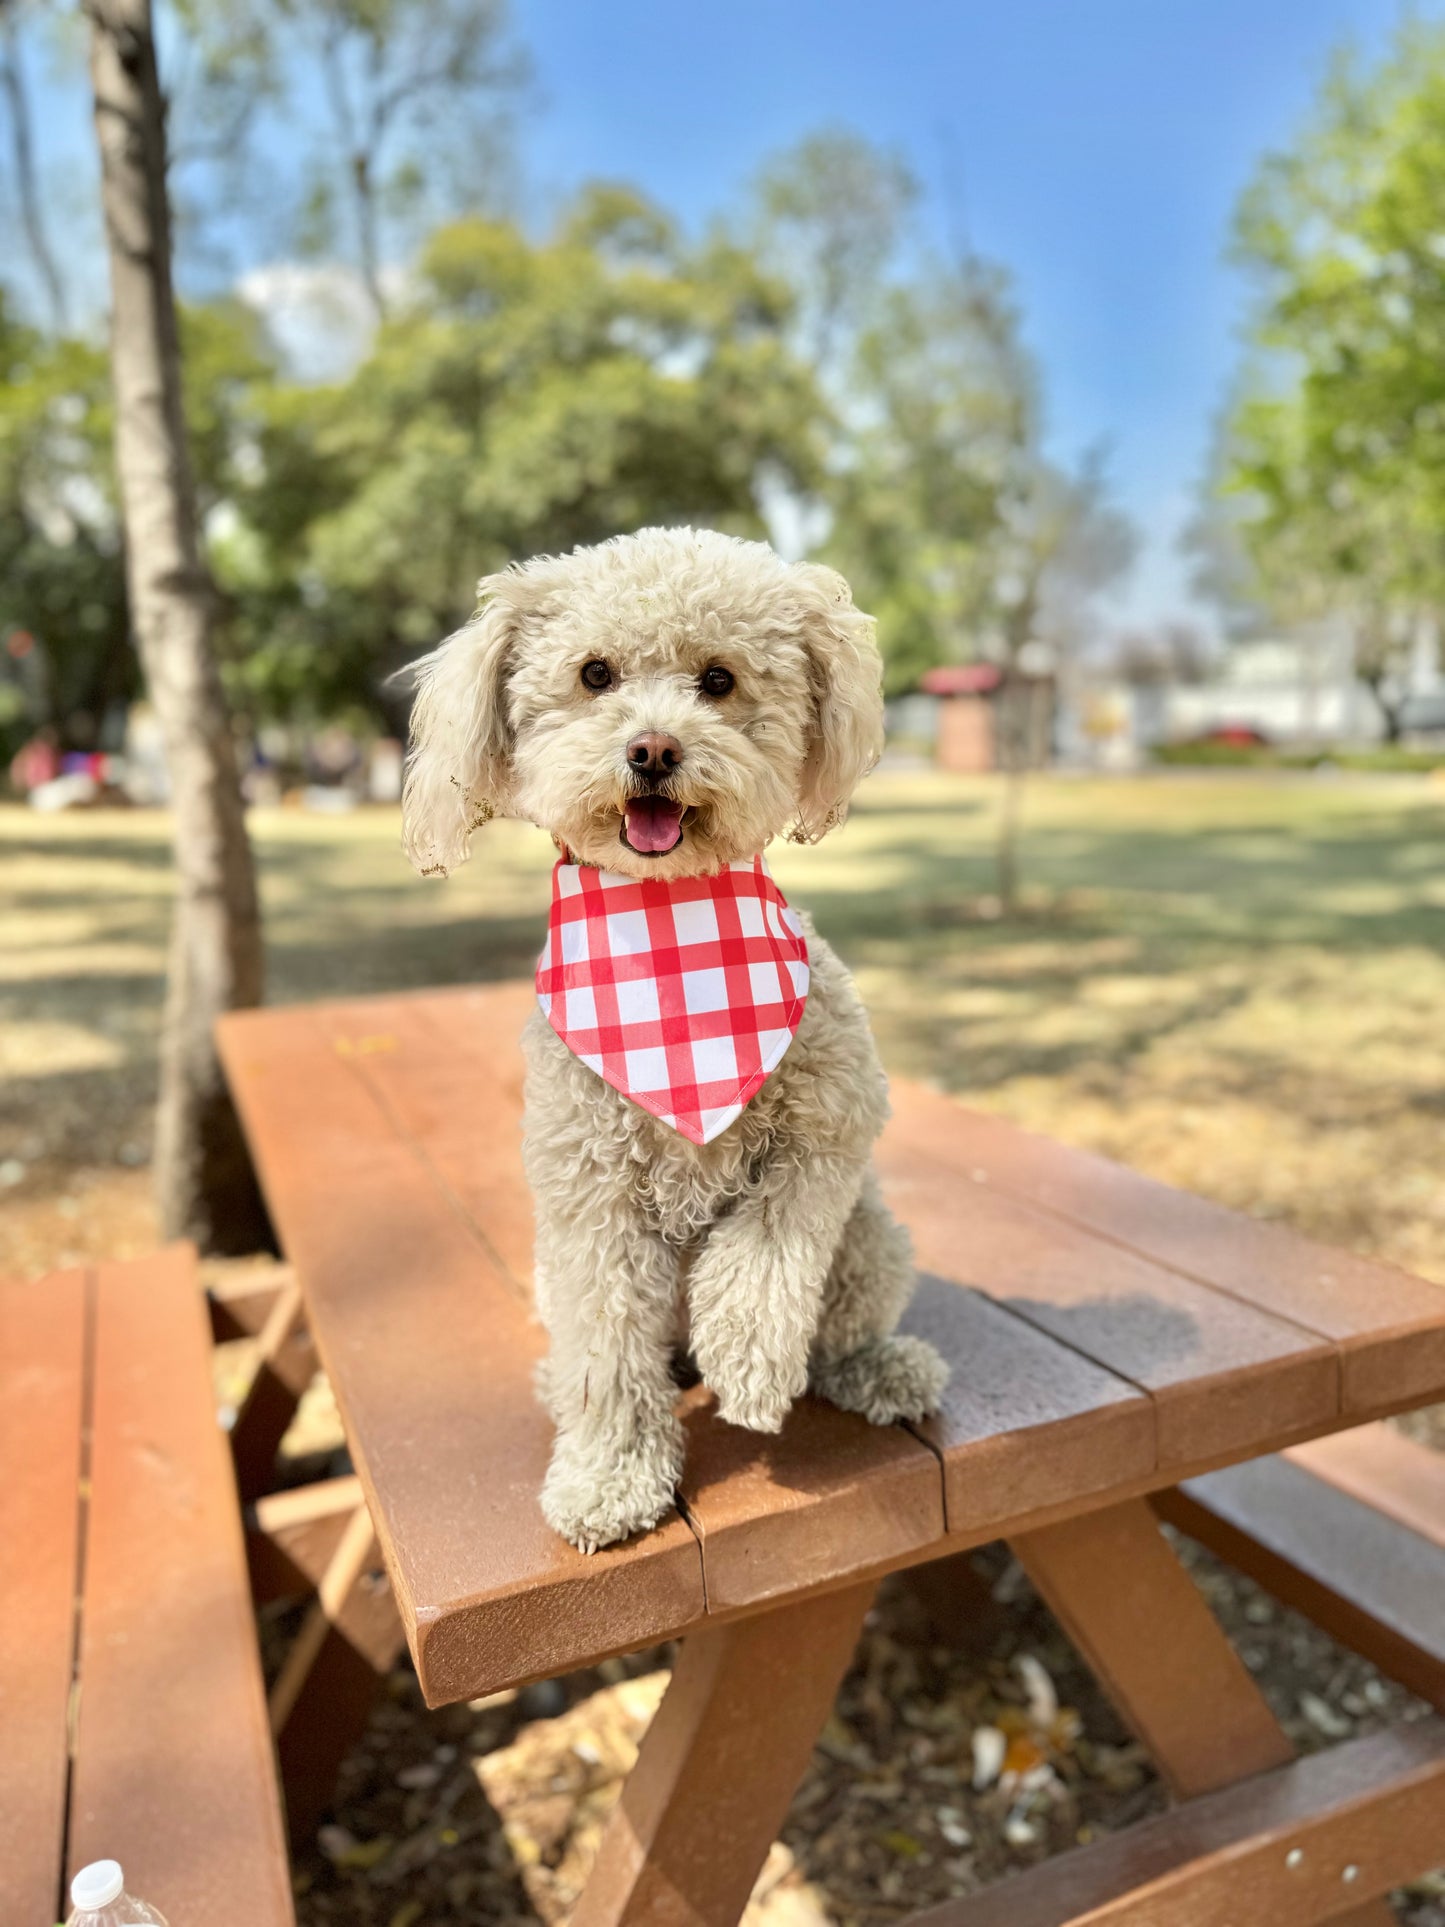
(97, 1885)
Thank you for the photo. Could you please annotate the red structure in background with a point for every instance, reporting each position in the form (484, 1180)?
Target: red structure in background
(973, 696)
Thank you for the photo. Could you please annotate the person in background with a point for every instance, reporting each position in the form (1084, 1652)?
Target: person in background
(35, 762)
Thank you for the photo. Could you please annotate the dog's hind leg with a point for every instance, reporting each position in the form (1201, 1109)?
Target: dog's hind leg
(859, 1362)
(607, 1287)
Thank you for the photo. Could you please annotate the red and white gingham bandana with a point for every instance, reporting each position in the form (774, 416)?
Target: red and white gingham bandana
(681, 995)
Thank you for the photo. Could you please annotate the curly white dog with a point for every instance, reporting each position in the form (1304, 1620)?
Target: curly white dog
(665, 705)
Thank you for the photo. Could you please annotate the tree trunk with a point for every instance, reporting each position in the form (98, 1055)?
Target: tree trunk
(1012, 710)
(1391, 713)
(1006, 853)
(205, 1185)
(364, 191)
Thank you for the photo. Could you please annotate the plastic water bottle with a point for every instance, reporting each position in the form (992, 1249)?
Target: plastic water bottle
(99, 1899)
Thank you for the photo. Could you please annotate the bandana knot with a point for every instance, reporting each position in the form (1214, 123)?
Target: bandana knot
(683, 996)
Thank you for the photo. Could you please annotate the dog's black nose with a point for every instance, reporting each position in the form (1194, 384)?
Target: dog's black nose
(653, 754)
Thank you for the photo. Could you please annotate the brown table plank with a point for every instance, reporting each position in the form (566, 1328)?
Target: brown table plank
(1387, 1324)
(1318, 1541)
(1027, 1424)
(431, 1354)
(174, 1774)
(1225, 1377)
(42, 1342)
(828, 1498)
(448, 1071)
(1384, 1470)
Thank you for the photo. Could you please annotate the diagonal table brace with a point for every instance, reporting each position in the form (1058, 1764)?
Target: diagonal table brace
(1115, 1585)
(720, 1764)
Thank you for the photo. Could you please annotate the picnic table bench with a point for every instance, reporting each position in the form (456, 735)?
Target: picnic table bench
(1111, 1340)
(132, 1717)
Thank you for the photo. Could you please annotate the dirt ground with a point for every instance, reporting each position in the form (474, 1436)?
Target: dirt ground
(491, 1813)
(1234, 984)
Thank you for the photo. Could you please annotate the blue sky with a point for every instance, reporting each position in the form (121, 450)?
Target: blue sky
(1096, 147)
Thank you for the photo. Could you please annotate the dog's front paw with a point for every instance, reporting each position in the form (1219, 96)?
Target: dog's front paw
(757, 1399)
(885, 1379)
(596, 1497)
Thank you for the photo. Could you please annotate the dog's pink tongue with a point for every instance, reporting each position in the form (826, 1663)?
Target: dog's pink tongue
(654, 824)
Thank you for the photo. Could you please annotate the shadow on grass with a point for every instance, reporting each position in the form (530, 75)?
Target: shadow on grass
(1269, 887)
(1128, 900)
(363, 958)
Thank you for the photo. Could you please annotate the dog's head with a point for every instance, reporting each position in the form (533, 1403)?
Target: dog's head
(663, 704)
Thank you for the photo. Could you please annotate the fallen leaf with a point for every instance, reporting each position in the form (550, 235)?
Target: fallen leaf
(989, 1748)
(1023, 1755)
(367, 1853)
(1323, 1717)
(1043, 1700)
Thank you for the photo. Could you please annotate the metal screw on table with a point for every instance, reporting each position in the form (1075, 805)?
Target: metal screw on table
(1350, 1873)
(1295, 1857)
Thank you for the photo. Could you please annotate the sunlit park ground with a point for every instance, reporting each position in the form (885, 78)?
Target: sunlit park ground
(1236, 983)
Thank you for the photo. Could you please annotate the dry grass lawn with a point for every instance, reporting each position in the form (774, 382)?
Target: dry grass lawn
(1234, 983)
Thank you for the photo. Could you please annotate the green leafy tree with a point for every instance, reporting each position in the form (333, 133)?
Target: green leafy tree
(1336, 445)
(529, 396)
(61, 567)
(62, 560)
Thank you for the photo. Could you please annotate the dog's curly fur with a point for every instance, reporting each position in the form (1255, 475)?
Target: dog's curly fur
(770, 1248)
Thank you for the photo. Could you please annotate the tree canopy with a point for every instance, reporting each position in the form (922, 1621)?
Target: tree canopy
(526, 397)
(1335, 446)
(802, 366)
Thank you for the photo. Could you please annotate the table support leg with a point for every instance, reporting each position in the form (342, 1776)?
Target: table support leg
(719, 1766)
(324, 1693)
(1113, 1582)
(956, 1602)
(284, 1368)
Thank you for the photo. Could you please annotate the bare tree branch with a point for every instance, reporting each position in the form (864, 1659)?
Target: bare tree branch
(22, 160)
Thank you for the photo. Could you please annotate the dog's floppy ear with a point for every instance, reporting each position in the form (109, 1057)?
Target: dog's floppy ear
(846, 674)
(457, 772)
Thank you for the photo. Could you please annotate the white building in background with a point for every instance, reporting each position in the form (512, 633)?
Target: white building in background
(1295, 690)
(1291, 689)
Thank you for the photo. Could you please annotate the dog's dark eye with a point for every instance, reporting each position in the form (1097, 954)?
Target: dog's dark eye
(596, 674)
(716, 681)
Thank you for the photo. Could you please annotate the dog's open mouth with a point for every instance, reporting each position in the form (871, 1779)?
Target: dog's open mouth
(652, 825)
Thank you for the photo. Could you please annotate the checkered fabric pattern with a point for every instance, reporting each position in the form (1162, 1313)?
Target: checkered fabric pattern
(681, 995)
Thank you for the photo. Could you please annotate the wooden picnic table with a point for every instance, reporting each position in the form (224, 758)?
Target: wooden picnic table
(132, 1714)
(1109, 1338)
